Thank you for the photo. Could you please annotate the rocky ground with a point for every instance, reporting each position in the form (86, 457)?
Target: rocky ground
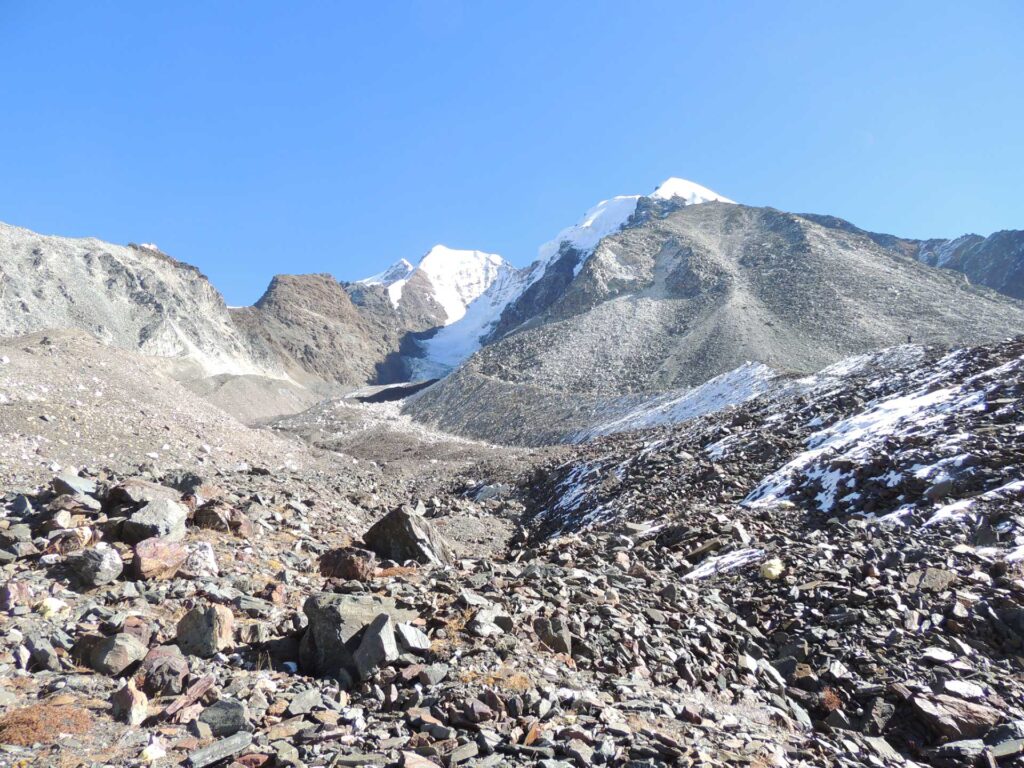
(828, 574)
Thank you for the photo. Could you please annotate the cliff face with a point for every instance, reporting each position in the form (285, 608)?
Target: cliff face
(131, 297)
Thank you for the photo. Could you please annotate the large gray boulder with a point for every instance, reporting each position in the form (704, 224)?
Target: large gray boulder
(335, 631)
(162, 517)
(405, 535)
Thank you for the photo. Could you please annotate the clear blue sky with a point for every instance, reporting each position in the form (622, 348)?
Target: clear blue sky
(251, 138)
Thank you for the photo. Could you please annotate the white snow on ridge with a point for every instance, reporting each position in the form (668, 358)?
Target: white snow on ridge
(400, 270)
(730, 388)
(692, 193)
(460, 277)
(609, 216)
(605, 218)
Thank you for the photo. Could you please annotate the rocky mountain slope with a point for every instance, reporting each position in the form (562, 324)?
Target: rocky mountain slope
(996, 261)
(311, 323)
(684, 293)
(518, 295)
(133, 297)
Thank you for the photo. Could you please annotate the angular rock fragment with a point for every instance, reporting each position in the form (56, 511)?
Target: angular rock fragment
(163, 671)
(226, 717)
(161, 518)
(158, 559)
(113, 655)
(205, 630)
(96, 567)
(377, 646)
(404, 535)
(129, 705)
(335, 624)
(348, 563)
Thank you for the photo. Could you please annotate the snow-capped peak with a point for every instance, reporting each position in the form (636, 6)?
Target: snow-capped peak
(455, 277)
(458, 277)
(689, 191)
(610, 216)
(400, 270)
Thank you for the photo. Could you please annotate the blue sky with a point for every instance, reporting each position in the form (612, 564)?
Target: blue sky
(251, 138)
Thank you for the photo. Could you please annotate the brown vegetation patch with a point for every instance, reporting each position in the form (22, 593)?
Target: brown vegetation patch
(42, 723)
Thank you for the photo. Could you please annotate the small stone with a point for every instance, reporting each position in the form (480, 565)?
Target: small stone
(219, 750)
(554, 634)
(772, 569)
(411, 638)
(201, 562)
(932, 579)
(129, 705)
(433, 674)
(305, 702)
(226, 717)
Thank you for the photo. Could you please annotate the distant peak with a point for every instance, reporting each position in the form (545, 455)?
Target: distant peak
(397, 272)
(442, 253)
(689, 191)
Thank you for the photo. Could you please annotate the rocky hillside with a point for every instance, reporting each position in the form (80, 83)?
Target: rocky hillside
(311, 324)
(996, 261)
(133, 297)
(684, 293)
(828, 574)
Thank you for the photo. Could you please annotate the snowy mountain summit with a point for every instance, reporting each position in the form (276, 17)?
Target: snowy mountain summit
(609, 216)
(456, 342)
(450, 277)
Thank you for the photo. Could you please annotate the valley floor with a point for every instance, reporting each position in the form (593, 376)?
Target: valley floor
(826, 574)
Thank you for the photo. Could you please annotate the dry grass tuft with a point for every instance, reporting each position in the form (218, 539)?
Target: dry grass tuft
(42, 724)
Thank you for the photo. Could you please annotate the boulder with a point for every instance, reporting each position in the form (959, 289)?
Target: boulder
(404, 535)
(336, 622)
(113, 655)
(96, 567)
(163, 518)
(205, 630)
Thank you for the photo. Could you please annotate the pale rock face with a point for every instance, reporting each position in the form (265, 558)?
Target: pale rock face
(135, 298)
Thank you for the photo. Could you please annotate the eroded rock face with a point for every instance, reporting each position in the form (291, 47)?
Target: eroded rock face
(402, 535)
